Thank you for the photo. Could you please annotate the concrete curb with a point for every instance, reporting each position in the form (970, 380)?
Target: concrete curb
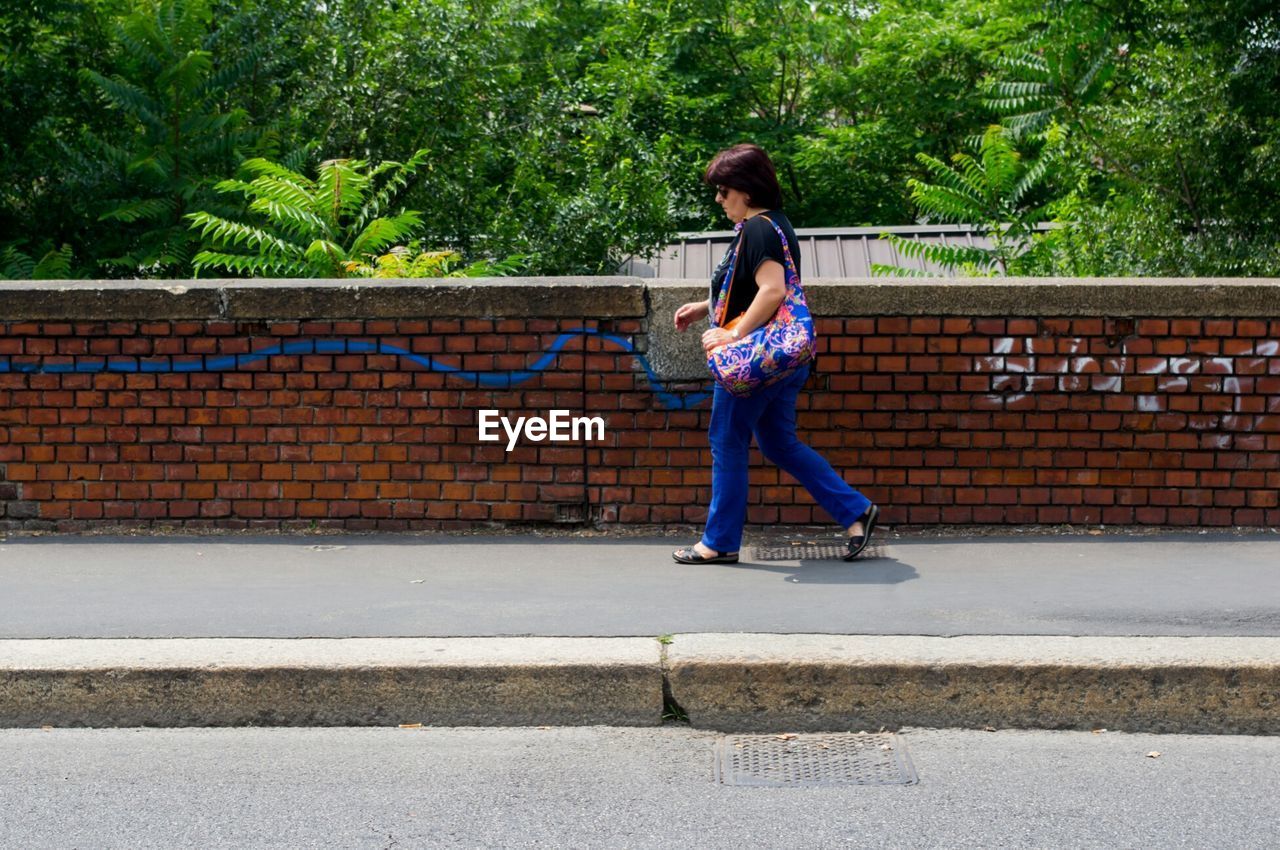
(351, 682)
(1219, 685)
(728, 682)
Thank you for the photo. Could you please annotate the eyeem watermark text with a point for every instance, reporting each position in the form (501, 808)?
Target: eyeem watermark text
(559, 427)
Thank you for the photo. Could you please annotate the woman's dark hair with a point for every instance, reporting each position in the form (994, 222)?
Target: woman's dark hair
(748, 169)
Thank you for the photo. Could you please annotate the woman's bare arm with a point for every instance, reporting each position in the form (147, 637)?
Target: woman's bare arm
(771, 283)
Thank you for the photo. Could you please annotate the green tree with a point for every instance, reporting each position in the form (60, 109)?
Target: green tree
(178, 141)
(43, 106)
(1062, 70)
(1173, 124)
(575, 132)
(990, 190)
(903, 81)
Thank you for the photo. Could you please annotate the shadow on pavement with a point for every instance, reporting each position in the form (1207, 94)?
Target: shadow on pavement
(865, 570)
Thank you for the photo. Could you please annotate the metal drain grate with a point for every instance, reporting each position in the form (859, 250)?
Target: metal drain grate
(785, 551)
(792, 761)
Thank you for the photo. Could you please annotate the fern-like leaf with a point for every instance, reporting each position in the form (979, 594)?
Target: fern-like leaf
(326, 257)
(226, 77)
(496, 268)
(297, 158)
(952, 179)
(382, 232)
(1096, 77)
(205, 126)
(1000, 163)
(150, 209)
(266, 168)
(945, 203)
(1019, 89)
(283, 192)
(975, 176)
(948, 256)
(187, 73)
(249, 264)
(140, 50)
(380, 200)
(1030, 65)
(1029, 123)
(300, 223)
(226, 233)
(882, 270)
(55, 265)
(1031, 178)
(16, 265)
(156, 168)
(126, 96)
(340, 189)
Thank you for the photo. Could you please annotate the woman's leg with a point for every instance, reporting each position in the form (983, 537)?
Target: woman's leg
(775, 431)
(732, 420)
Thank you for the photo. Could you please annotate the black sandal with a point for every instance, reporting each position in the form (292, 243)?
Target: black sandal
(691, 556)
(858, 542)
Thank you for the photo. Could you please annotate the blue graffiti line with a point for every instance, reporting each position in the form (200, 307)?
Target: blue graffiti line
(504, 380)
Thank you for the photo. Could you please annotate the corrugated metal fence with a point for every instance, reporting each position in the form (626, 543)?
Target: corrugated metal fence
(825, 252)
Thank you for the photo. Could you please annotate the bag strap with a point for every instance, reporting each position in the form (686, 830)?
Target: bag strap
(786, 249)
(722, 303)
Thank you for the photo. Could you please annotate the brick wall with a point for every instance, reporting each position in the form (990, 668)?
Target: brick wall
(365, 424)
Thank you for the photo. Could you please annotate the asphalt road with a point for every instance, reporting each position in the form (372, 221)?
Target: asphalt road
(441, 585)
(608, 788)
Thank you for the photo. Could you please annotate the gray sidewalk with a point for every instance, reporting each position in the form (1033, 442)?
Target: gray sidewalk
(476, 586)
(1137, 632)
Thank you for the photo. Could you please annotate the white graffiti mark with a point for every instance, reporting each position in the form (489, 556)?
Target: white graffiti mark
(1108, 373)
(1184, 366)
(1110, 384)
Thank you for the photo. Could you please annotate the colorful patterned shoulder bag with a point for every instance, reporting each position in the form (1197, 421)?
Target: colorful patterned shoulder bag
(771, 352)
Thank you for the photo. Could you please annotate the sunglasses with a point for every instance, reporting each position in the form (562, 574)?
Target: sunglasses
(722, 190)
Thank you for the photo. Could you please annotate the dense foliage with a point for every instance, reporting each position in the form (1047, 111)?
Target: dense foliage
(302, 227)
(572, 134)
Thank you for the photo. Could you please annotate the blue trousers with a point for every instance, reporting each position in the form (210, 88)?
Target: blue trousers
(770, 414)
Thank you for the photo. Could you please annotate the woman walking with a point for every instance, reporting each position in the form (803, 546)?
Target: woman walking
(756, 265)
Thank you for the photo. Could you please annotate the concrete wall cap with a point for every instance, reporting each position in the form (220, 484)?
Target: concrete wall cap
(625, 297)
(264, 299)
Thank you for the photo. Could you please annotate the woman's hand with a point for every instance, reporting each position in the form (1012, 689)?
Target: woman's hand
(690, 313)
(716, 337)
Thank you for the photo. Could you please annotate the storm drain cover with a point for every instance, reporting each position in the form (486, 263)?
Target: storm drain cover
(793, 761)
(811, 551)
